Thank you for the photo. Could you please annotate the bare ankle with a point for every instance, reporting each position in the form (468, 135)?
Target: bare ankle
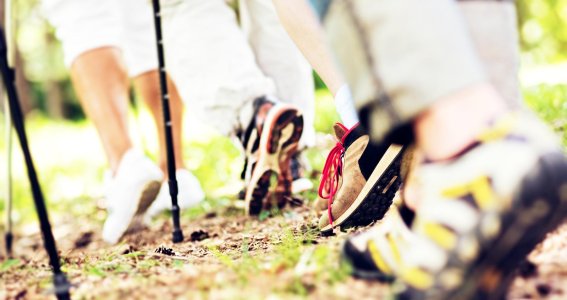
(455, 121)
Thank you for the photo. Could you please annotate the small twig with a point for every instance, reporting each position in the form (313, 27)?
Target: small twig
(168, 256)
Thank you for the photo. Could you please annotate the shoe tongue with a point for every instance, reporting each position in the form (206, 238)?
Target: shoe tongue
(261, 106)
(340, 131)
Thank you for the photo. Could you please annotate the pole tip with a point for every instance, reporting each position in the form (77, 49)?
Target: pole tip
(178, 236)
(9, 238)
(62, 286)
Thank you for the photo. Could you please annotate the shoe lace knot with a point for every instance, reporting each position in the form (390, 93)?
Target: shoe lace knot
(331, 175)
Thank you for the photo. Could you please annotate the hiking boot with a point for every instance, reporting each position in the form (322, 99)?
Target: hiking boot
(482, 212)
(270, 141)
(320, 205)
(190, 194)
(129, 193)
(359, 180)
(505, 193)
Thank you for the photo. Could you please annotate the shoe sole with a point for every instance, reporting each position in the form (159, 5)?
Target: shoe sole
(539, 207)
(376, 196)
(278, 142)
(362, 274)
(298, 186)
(284, 188)
(147, 197)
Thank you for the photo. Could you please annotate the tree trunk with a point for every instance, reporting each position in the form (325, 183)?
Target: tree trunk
(2, 15)
(54, 100)
(22, 85)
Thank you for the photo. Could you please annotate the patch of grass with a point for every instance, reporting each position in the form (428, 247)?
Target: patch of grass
(243, 267)
(288, 248)
(264, 215)
(8, 264)
(331, 270)
(178, 263)
(102, 268)
(550, 103)
(295, 253)
(134, 254)
(147, 264)
(222, 257)
(94, 271)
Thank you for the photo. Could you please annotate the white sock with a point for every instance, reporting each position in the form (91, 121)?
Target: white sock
(344, 104)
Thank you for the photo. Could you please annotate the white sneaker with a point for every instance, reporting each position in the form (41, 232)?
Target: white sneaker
(129, 193)
(190, 194)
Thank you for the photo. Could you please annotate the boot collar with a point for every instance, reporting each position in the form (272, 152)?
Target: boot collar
(352, 135)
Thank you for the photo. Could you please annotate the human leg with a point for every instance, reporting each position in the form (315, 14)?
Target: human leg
(147, 85)
(369, 173)
(217, 66)
(232, 90)
(305, 30)
(101, 82)
(494, 31)
(190, 190)
(141, 57)
(279, 59)
(470, 204)
(90, 33)
(83, 46)
(495, 39)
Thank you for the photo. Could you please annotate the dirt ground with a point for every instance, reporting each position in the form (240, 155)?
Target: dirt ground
(228, 256)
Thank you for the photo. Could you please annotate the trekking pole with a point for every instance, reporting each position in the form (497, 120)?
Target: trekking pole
(172, 181)
(59, 279)
(8, 235)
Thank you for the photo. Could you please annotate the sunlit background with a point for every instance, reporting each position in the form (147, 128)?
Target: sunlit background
(70, 159)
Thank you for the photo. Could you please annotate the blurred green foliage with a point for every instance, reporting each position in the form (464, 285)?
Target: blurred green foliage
(550, 103)
(543, 30)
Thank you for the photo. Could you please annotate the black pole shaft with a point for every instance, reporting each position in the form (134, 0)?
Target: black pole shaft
(60, 280)
(8, 236)
(173, 189)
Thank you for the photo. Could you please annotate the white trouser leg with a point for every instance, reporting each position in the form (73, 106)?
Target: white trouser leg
(494, 32)
(281, 60)
(210, 59)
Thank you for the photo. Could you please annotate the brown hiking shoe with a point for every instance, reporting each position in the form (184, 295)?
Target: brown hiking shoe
(359, 180)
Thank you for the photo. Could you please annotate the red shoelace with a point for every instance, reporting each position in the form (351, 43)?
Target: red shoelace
(331, 175)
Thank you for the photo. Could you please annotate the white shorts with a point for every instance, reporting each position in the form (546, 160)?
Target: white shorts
(84, 25)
